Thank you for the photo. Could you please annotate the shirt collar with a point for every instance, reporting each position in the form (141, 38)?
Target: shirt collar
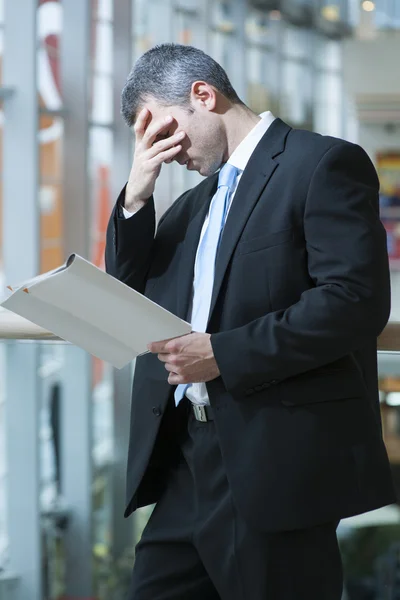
(243, 152)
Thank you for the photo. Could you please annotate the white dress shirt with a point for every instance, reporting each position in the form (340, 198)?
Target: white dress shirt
(197, 393)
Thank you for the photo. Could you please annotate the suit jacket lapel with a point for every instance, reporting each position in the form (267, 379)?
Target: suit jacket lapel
(186, 267)
(256, 175)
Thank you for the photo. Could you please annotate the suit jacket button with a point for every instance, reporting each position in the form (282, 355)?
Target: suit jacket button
(157, 411)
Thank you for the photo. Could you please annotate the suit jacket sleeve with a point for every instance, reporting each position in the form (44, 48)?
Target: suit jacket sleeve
(349, 301)
(129, 244)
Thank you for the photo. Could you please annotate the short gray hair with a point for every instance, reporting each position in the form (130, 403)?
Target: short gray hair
(166, 73)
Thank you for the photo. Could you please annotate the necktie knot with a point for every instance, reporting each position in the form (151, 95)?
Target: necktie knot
(227, 175)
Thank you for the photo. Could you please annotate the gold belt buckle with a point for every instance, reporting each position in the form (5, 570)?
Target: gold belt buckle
(200, 413)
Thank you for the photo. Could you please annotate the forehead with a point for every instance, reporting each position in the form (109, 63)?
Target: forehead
(159, 110)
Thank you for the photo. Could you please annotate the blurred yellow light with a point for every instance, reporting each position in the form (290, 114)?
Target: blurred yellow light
(368, 5)
(331, 12)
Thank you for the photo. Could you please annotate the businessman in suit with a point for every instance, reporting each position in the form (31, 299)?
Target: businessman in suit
(255, 434)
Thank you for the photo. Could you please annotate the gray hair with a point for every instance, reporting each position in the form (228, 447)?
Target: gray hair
(166, 73)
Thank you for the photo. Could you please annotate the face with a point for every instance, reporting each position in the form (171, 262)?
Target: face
(203, 147)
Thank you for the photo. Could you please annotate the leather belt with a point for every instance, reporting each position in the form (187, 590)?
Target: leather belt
(203, 413)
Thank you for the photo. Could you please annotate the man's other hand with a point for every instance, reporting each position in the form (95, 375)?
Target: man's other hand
(188, 359)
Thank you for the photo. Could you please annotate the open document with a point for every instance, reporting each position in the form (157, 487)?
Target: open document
(89, 308)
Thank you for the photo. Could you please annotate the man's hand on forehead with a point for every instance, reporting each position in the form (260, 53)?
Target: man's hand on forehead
(158, 141)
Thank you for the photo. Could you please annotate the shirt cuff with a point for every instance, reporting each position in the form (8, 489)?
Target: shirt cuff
(128, 214)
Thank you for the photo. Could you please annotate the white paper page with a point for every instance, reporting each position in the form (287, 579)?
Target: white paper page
(36, 279)
(73, 330)
(94, 311)
(110, 305)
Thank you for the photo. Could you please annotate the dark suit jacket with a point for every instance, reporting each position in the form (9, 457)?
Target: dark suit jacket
(301, 293)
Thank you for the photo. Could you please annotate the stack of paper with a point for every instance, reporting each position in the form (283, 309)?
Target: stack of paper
(89, 308)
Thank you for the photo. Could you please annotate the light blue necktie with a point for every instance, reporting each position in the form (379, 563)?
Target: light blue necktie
(204, 268)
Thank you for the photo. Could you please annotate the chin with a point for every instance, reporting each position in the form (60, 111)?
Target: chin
(206, 171)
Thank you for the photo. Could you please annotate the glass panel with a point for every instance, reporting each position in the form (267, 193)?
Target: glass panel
(105, 10)
(370, 542)
(50, 192)
(328, 96)
(262, 27)
(106, 579)
(103, 51)
(296, 42)
(396, 14)
(141, 26)
(328, 104)
(328, 54)
(184, 28)
(50, 134)
(100, 157)
(50, 365)
(257, 27)
(353, 8)
(262, 80)
(387, 14)
(223, 50)
(100, 163)
(192, 5)
(296, 94)
(151, 24)
(222, 15)
(102, 100)
(53, 515)
(3, 459)
(1, 151)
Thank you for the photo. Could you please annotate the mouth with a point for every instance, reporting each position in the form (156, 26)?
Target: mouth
(185, 163)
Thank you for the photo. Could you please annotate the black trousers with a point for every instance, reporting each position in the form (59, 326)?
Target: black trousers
(197, 547)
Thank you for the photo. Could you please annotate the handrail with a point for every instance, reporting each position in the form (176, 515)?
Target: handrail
(389, 340)
(14, 327)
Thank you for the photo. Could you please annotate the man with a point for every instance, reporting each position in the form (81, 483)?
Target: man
(255, 434)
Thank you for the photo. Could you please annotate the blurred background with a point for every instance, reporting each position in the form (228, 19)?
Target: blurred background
(331, 66)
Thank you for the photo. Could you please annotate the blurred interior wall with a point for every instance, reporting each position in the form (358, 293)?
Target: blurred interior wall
(372, 82)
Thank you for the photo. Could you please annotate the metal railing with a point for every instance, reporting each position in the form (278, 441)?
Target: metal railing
(14, 327)
(82, 463)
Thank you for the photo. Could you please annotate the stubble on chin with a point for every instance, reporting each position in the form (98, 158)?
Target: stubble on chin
(210, 169)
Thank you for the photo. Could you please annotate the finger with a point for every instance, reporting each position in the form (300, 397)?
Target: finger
(164, 357)
(163, 145)
(175, 345)
(174, 379)
(173, 359)
(154, 129)
(141, 123)
(158, 347)
(172, 368)
(165, 156)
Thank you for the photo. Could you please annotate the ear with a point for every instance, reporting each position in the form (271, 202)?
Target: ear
(204, 94)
